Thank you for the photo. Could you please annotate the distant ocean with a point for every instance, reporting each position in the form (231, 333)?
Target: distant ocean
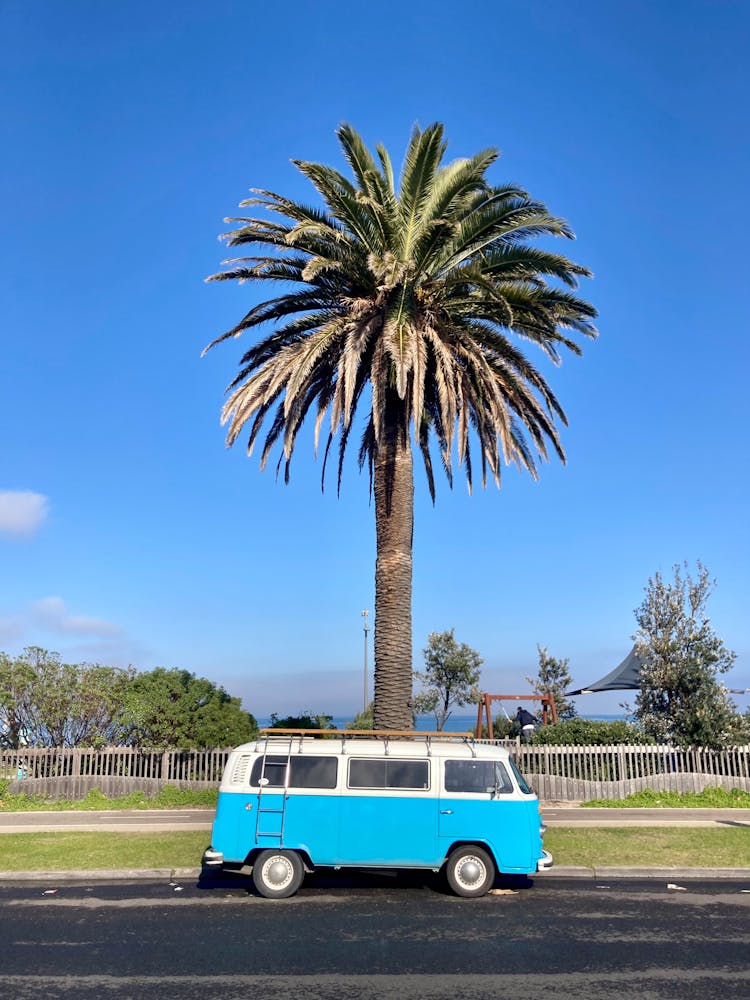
(456, 723)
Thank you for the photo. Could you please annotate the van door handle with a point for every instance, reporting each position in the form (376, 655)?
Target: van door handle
(249, 806)
(446, 812)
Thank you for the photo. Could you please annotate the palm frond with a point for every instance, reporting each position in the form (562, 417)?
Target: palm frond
(387, 167)
(357, 154)
(421, 163)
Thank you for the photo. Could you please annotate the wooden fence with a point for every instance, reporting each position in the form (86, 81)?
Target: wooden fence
(581, 773)
(563, 774)
(71, 773)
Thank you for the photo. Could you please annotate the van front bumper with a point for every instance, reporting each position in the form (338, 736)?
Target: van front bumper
(212, 858)
(545, 862)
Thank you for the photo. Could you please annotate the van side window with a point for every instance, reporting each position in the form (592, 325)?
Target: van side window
(386, 772)
(476, 776)
(306, 772)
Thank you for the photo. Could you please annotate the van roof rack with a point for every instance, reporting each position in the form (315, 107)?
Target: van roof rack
(381, 734)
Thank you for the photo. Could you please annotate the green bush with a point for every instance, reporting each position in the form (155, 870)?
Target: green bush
(590, 732)
(170, 797)
(709, 798)
(503, 728)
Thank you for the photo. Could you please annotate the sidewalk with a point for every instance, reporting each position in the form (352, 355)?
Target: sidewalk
(564, 814)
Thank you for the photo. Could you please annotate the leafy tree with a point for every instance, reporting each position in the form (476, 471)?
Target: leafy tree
(407, 302)
(304, 721)
(363, 719)
(681, 699)
(46, 702)
(176, 709)
(591, 732)
(554, 678)
(16, 683)
(450, 678)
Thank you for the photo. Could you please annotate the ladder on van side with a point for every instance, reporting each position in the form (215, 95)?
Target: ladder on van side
(283, 745)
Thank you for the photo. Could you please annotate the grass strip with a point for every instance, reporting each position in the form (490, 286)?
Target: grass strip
(87, 851)
(709, 798)
(588, 847)
(647, 846)
(169, 797)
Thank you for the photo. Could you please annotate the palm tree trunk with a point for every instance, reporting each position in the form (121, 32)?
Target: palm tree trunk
(393, 487)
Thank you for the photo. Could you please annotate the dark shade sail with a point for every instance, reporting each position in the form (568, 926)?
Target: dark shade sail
(625, 677)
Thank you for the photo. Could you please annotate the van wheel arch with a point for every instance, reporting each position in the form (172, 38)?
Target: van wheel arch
(304, 857)
(474, 843)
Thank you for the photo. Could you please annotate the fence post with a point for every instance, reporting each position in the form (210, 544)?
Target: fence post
(75, 772)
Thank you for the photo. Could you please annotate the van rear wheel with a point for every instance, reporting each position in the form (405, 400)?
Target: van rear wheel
(277, 874)
(470, 871)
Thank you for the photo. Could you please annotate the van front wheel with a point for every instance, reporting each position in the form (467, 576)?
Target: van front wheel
(470, 871)
(277, 874)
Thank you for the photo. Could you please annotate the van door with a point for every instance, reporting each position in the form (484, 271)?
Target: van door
(478, 805)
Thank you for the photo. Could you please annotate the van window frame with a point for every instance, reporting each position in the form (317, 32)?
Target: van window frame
(497, 769)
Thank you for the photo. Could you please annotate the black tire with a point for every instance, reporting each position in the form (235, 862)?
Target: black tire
(470, 871)
(277, 874)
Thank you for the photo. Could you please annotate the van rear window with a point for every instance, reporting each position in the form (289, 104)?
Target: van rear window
(305, 772)
(387, 772)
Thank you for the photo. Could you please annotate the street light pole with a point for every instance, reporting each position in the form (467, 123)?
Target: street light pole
(366, 627)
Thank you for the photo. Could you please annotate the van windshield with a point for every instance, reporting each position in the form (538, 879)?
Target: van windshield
(520, 778)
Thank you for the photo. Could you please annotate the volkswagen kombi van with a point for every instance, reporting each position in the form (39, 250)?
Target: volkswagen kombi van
(290, 803)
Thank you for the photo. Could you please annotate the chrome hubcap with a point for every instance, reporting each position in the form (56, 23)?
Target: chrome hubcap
(278, 872)
(470, 872)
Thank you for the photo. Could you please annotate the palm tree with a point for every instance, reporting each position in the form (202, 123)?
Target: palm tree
(405, 302)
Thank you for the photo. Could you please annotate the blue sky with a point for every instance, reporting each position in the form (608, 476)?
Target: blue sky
(130, 534)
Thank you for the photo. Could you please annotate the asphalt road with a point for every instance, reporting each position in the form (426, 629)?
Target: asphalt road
(376, 937)
(139, 820)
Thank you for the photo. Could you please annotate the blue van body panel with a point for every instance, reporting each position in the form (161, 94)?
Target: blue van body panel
(310, 824)
(231, 827)
(510, 829)
(391, 831)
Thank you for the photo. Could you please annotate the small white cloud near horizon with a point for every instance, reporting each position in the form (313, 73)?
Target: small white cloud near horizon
(52, 613)
(22, 512)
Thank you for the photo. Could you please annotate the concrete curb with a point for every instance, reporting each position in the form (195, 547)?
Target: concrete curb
(102, 875)
(561, 871)
(655, 872)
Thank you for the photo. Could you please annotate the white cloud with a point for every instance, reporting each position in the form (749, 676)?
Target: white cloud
(21, 512)
(51, 613)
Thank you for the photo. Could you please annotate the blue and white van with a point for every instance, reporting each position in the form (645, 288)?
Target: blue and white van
(290, 803)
